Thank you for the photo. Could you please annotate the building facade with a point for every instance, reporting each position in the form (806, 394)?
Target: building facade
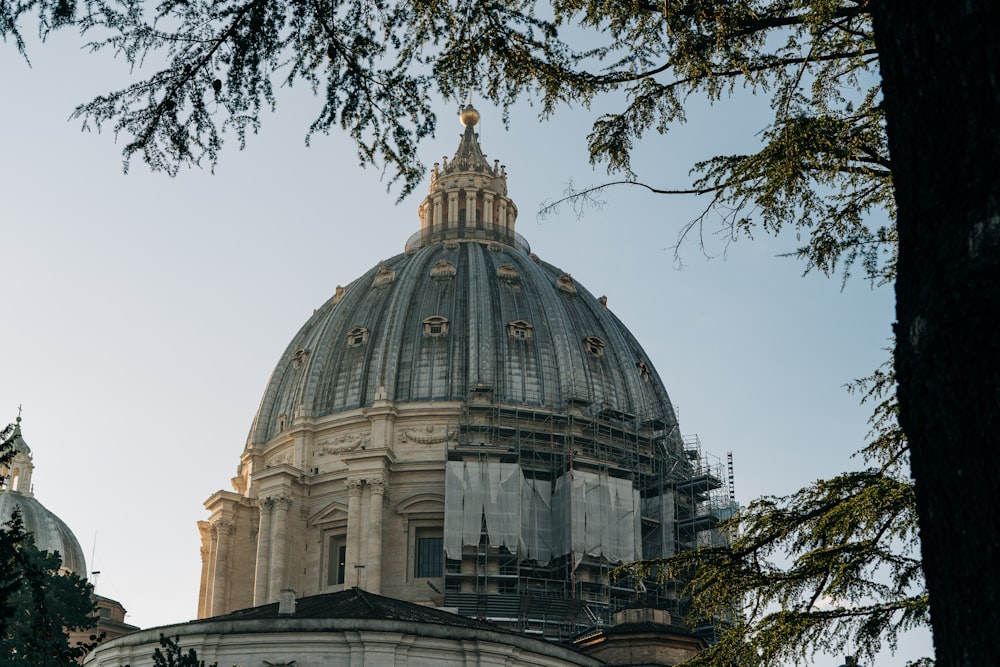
(464, 426)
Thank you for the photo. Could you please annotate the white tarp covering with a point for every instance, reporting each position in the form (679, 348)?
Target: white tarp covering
(478, 490)
(536, 520)
(582, 513)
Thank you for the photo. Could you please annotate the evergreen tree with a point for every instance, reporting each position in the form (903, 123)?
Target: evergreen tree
(831, 568)
(40, 605)
(878, 104)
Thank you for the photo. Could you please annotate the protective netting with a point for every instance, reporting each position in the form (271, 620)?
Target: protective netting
(660, 541)
(581, 513)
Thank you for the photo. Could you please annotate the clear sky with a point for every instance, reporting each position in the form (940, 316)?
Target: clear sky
(143, 314)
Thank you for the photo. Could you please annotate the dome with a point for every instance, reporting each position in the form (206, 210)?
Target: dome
(449, 318)
(467, 307)
(464, 425)
(50, 532)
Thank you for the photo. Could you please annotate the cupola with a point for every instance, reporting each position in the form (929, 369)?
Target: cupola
(468, 195)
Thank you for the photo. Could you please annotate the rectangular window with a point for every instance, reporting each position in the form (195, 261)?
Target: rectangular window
(338, 556)
(429, 557)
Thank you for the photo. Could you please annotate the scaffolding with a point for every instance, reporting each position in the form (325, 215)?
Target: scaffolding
(591, 487)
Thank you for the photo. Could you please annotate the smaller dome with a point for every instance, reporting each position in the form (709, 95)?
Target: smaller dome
(51, 533)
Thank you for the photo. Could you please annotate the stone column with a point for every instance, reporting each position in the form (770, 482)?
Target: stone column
(373, 573)
(202, 609)
(353, 554)
(470, 208)
(453, 210)
(279, 546)
(488, 210)
(502, 215)
(222, 529)
(205, 591)
(437, 223)
(262, 569)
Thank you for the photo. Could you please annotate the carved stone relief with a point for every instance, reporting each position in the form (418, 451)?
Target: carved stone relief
(286, 457)
(427, 435)
(343, 443)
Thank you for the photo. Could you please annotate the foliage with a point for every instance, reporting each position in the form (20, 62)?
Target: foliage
(8, 542)
(6, 444)
(173, 656)
(822, 166)
(832, 566)
(39, 605)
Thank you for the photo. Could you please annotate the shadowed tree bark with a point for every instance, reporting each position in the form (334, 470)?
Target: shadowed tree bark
(941, 78)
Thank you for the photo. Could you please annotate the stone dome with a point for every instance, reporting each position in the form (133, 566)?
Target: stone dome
(51, 533)
(449, 318)
(467, 307)
(465, 426)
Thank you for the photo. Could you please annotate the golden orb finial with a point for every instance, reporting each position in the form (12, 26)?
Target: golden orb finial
(469, 115)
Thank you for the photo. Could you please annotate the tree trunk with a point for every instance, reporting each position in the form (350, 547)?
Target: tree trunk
(941, 80)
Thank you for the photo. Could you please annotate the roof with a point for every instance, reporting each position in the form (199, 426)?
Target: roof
(50, 532)
(355, 603)
(513, 323)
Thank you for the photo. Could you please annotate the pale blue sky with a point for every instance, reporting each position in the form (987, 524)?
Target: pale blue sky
(144, 314)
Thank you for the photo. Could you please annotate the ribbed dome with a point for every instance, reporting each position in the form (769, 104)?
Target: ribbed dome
(466, 308)
(510, 324)
(463, 425)
(50, 532)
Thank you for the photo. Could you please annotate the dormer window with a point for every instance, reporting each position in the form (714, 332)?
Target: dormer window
(594, 345)
(384, 277)
(357, 337)
(436, 325)
(565, 283)
(520, 330)
(643, 369)
(299, 357)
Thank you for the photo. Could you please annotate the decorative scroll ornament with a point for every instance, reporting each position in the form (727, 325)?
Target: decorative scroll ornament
(428, 435)
(344, 443)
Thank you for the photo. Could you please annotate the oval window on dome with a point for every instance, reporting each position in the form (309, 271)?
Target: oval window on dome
(299, 357)
(384, 277)
(443, 270)
(508, 274)
(436, 325)
(565, 283)
(594, 345)
(643, 369)
(357, 337)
